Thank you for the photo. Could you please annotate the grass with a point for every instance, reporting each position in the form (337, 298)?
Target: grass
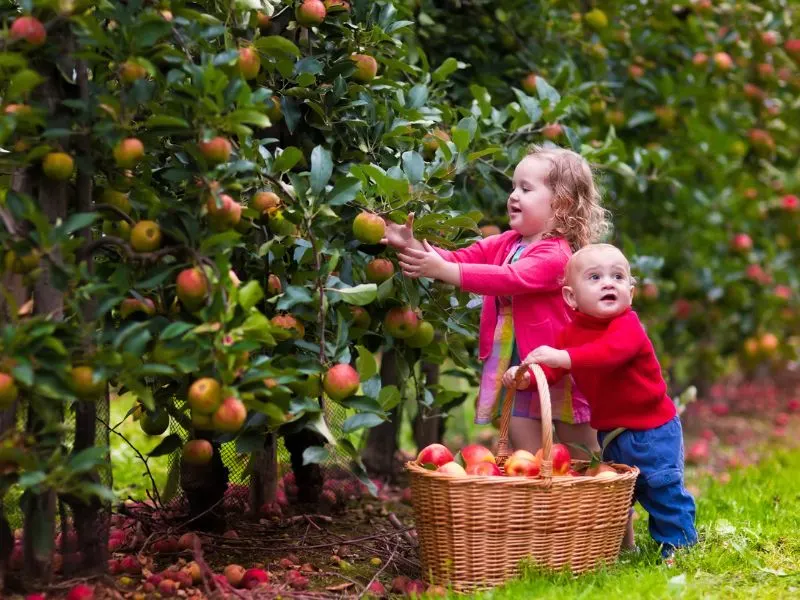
(130, 475)
(749, 548)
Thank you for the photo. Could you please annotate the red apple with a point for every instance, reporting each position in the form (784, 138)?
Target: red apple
(432, 140)
(698, 452)
(700, 59)
(249, 63)
(293, 329)
(216, 150)
(230, 416)
(310, 13)
(366, 67)
(792, 47)
(475, 453)
(434, 454)
(205, 396)
(368, 228)
(401, 322)
(635, 71)
(723, 61)
(84, 384)
(529, 84)
(266, 203)
(8, 391)
(128, 153)
(769, 343)
(224, 213)
(254, 578)
(131, 71)
(742, 242)
(452, 468)
(131, 306)
(422, 337)
(552, 131)
(29, 29)
(192, 288)
(519, 466)
(197, 452)
(379, 270)
(81, 592)
(341, 381)
(770, 38)
(790, 203)
(234, 574)
(561, 459)
(484, 468)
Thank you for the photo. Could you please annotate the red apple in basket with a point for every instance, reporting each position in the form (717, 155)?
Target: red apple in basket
(435, 454)
(561, 459)
(452, 468)
(522, 464)
(484, 468)
(601, 468)
(475, 453)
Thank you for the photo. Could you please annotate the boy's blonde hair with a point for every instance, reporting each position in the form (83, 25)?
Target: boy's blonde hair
(569, 270)
(578, 216)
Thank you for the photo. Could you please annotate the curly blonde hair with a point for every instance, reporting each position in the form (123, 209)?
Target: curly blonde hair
(578, 215)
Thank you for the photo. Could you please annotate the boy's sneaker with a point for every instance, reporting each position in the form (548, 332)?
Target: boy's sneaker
(668, 555)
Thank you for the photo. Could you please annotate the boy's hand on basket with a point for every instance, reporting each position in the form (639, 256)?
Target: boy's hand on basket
(553, 358)
(509, 379)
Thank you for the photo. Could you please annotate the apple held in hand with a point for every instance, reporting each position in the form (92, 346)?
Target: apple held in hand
(435, 454)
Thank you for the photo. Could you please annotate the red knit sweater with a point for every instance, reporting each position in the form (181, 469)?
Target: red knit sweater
(615, 366)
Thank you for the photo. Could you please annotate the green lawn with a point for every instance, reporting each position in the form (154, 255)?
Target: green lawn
(749, 548)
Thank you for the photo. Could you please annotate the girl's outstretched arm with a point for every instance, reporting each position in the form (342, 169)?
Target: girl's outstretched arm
(427, 262)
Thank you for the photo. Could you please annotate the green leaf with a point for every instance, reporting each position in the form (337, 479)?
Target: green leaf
(174, 330)
(288, 159)
(344, 190)
(309, 65)
(366, 365)
(158, 121)
(447, 68)
(21, 83)
(417, 97)
(547, 91)
(277, 46)
(321, 169)
(31, 479)
(167, 446)
(315, 455)
(250, 294)
(88, 459)
(361, 421)
(360, 295)
(252, 117)
(413, 166)
(389, 397)
(76, 222)
(293, 295)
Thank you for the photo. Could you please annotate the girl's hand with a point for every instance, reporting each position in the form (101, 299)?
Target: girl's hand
(545, 355)
(426, 262)
(401, 236)
(509, 379)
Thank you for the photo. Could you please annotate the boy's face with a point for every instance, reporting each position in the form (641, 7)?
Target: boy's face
(599, 283)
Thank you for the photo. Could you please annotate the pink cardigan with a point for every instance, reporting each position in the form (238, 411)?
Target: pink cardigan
(534, 282)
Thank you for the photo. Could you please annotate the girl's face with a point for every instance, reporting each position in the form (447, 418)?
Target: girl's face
(530, 211)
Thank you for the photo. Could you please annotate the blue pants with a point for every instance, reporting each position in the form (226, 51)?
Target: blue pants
(659, 488)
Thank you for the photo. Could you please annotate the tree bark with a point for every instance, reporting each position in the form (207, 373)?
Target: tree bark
(429, 422)
(381, 446)
(308, 478)
(264, 476)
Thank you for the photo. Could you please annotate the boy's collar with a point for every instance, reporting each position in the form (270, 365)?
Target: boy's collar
(595, 322)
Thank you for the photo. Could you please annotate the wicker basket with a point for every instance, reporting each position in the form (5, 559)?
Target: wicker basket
(475, 530)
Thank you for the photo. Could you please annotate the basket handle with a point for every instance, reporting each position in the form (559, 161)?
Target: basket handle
(547, 420)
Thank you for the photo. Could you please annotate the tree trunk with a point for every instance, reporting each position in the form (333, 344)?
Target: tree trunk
(205, 487)
(39, 509)
(91, 519)
(264, 476)
(16, 291)
(308, 478)
(381, 444)
(429, 422)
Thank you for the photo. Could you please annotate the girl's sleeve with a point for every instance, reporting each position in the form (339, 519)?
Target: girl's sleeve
(474, 253)
(539, 271)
